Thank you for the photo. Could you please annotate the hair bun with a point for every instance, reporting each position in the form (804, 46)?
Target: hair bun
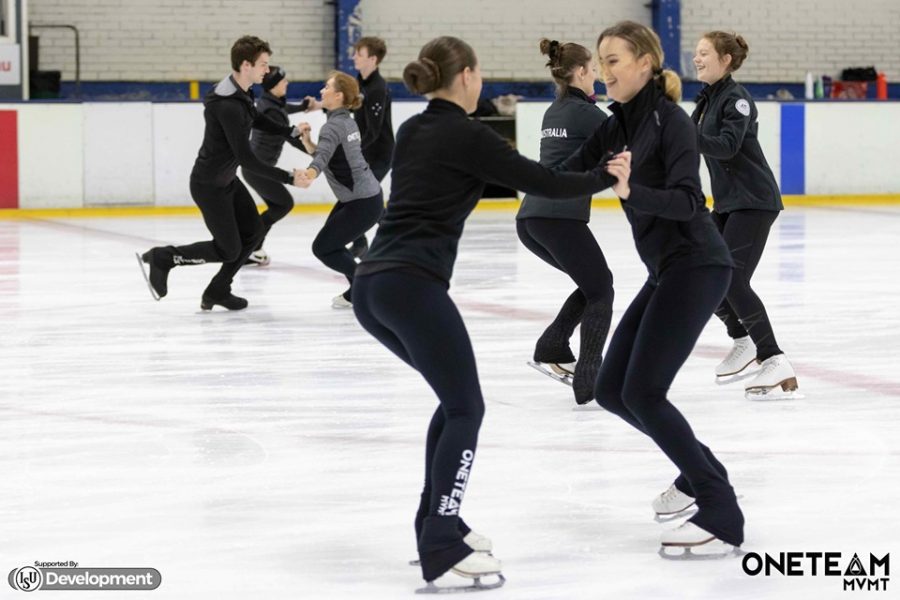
(422, 76)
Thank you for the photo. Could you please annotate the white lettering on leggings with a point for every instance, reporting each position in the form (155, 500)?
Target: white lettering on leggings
(450, 504)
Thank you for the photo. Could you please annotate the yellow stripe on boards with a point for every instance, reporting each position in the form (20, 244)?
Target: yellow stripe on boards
(499, 205)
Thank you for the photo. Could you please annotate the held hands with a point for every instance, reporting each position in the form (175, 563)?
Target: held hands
(313, 104)
(619, 167)
(303, 178)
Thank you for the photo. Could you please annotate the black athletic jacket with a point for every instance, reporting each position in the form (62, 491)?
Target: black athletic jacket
(374, 121)
(568, 122)
(727, 126)
(230, 114)
(667, 210)
(441, 164)
(267, 146)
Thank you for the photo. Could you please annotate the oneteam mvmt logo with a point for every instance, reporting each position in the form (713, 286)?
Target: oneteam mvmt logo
(798, 564)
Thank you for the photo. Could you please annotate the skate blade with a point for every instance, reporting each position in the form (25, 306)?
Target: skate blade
(146, 276)
(476, 586)
(786, 390)
(564, 379)
(712, 550)
(688, 512)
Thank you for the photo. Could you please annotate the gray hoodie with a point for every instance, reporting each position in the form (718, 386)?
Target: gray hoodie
(339, 156)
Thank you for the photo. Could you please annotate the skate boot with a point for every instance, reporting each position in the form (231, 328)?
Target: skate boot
(474, 566)
(672, 502)
(691, 542)
(342, 301)
(776, 381)
(740, 361)
(594, 329)
(160, 261)
(259, 258)
(229, 301)
(478, 542)
(359, 247)
(552, 355)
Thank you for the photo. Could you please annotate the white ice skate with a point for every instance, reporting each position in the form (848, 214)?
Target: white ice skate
(740, 362)
(340, 302)
(776, 381)
(690, 542)
(259, 258)
(671, 504)
(561, 372)
(475, 541)
(474, 566)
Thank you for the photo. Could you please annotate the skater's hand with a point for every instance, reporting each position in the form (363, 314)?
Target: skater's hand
(300, 178)
(619, 167)
(313, 104)
(305, 128)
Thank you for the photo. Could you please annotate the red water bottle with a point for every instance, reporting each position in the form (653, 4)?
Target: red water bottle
(881, 91)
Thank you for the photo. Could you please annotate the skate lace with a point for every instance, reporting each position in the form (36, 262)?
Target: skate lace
(670, 494)
(769, 367)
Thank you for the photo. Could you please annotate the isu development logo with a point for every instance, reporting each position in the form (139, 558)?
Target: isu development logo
(857, 576)
(31, 579)
(26, 579)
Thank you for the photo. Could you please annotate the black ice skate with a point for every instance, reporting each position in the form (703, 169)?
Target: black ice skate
(159, 261)
(229, 301)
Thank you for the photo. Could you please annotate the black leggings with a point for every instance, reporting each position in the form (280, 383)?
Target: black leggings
(569, 245)
(231, 217)
(414, 317)
(346, 222)
(276, 196)
(650, 344)
(746, 232)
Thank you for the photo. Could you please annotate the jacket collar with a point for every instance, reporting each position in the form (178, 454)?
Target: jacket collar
(711, 90)
(631, 113)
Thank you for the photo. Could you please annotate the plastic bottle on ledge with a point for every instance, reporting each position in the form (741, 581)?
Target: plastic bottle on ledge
(881, 87)
(820, 88)
(809, 91)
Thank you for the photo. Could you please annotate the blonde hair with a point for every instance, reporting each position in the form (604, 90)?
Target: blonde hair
(348, 86)
(643, 40)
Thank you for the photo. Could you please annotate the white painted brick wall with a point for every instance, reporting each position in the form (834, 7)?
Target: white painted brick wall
(504, 34)
(181, 40)
(178, 40)
(787, 38)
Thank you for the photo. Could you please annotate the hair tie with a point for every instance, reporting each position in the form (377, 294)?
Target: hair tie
(657, 72)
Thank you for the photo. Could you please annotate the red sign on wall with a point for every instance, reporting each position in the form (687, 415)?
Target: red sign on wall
(9, 159)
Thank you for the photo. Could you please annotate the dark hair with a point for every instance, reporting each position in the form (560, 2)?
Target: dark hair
(438, 63)
(348, 86)
(564, 59)
(248, 48)
(729, 43)
(375, 46)
(643, 40)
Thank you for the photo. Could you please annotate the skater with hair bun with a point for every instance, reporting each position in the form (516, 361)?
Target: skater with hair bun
(746, 202)
(441, 164)
(557, 231)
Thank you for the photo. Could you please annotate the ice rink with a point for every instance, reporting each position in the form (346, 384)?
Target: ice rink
(278, 452)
